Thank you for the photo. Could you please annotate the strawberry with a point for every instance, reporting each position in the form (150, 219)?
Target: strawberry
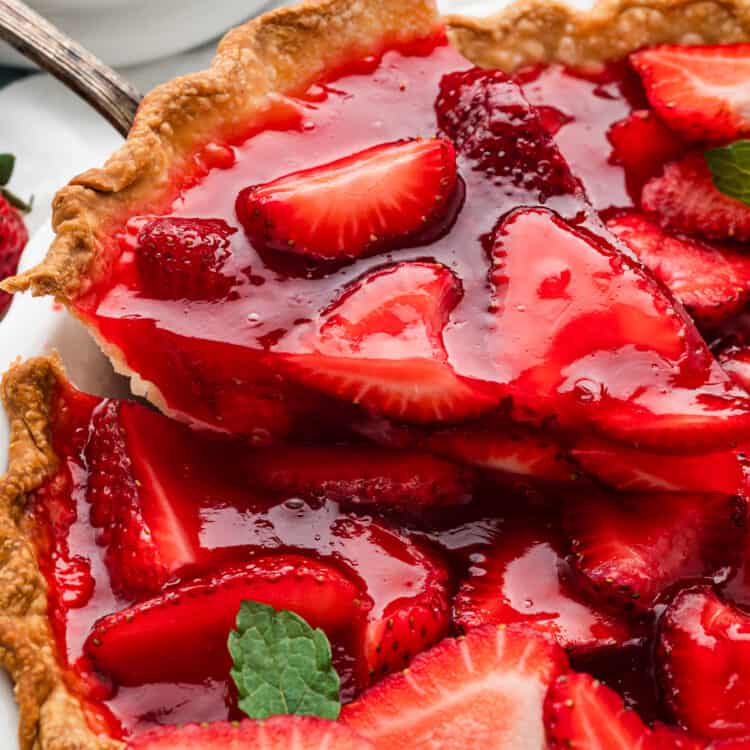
(735, 361)
(713, 282)
(582, 334)
(627, 550)
(483, 690)
(701, 92)
(146, 542)
(632, 470)
(416, 612)
(642, 144)
(181, 635)
(520, 578)
(703, 661)
(13, 232)
(380, 345)
(277, 733)
(183, 258)
(493, 126)
(388, 196)
(739, 743)
(685, 199)
(365, 475)
(507, 451)
(580, 712)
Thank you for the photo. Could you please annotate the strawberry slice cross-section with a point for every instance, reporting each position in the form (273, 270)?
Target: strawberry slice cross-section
(581, 712)
(277, 733)
(181, 635)
(520, 579)
(584, 335)
(483, 690)
(388, 196)
(712, 281)
(380, 345)
(701, 92)
(703, 660)
(627, 550)
(361, 475)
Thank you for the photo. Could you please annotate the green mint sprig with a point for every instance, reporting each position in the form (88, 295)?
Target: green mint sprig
(282, 665)
(730, 169)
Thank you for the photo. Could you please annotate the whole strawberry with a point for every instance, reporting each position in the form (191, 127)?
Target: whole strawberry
(13, 233)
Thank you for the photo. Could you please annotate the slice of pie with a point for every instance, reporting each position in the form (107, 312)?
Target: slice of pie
(437, 350)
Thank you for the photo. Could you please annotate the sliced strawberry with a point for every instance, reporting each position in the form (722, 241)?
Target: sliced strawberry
(735, 360)
(703, 660)
(521, 579)
(632, 470)
(713, 282)
(580, 712)
(510, 450)
(388, 196)
(181, 635)
(140, 557)
(581, 333)
(183, 258)
(484, 690)
(626, 551)
(700, 91)
(740, 743)
(276, 733)
(488, 118)
(380, 345)
(642, 144)
(685, 199)
(365, 475)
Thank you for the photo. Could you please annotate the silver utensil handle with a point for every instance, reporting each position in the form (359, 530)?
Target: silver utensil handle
(104, 89)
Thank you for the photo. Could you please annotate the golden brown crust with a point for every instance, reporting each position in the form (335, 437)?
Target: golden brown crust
(275, 54)
(532, 31)
(51, 718)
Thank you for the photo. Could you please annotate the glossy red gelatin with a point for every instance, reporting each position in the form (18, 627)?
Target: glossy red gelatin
(351, 337)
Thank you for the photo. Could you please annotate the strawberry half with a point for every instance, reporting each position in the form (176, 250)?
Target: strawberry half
(276, 733)
(583, 334)
(632, 470)
(380, 345)
(626, 551)
(703, 660)
(699, 91)
(181, 635)
(146, 543)
(580, 712)
(483, 690)
(365, 475)
(388, 196)
(183, 258)
(495, 128)
(713, 282)
(642, 144)
(509, 451)
(520, 579)
(685, 199)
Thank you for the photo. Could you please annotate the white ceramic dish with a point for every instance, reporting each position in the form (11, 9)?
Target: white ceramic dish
(130, 32)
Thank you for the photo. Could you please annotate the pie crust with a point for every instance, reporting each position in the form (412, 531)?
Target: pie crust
(276, 53)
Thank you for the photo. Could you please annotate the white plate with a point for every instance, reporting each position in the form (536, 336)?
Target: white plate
(131, 32)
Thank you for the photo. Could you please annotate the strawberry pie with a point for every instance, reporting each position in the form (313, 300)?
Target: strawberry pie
(441, 332)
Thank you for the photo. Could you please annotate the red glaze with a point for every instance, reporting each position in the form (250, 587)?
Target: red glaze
(248, 339)
(522, 579)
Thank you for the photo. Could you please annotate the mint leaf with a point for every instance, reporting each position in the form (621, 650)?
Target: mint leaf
(730, 169)
(7, 162)
(282, 665)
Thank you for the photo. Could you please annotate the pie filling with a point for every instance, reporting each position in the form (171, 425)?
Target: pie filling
(445, 335)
